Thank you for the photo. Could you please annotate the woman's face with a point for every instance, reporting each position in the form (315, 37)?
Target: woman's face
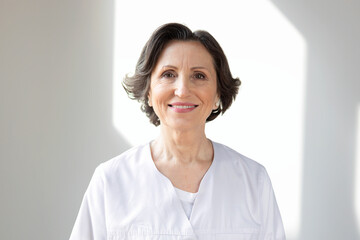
(183, 89)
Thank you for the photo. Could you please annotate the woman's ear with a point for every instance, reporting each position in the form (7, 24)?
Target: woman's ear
(217, 103)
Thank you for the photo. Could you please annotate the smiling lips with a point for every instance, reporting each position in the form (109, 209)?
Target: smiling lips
(182, 107)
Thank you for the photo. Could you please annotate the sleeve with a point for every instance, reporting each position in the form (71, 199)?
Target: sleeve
(272, 226)
(90, 223)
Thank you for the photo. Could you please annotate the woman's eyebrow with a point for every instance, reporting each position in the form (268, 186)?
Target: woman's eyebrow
(168, 66)
(199, 67)
(172, 66)
(192, 68)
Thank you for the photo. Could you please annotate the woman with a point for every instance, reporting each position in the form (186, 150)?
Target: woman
(180, 185)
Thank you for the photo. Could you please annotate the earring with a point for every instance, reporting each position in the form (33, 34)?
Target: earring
(217, 104)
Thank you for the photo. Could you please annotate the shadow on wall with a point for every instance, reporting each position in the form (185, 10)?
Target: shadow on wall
(332, 96)
(56, 112)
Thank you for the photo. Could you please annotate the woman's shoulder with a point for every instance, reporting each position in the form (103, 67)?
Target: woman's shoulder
(130, 158)
(229, 156)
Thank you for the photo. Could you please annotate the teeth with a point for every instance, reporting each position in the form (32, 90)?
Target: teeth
(178, 106)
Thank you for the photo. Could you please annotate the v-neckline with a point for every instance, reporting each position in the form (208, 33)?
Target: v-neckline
(171, 189)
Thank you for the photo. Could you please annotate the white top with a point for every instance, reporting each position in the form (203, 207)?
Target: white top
(187, 200)
(128, 198)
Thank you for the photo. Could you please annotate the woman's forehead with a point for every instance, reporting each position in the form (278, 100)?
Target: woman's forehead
(185, 53)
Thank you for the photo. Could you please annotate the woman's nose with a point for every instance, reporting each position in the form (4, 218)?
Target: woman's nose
(182, 87)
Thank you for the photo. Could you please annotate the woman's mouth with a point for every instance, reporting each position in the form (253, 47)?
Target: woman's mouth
(182, 107)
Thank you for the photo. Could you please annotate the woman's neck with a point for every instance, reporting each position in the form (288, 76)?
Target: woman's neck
(182, 147)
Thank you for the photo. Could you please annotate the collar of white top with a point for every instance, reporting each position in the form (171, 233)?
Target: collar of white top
(186, 196)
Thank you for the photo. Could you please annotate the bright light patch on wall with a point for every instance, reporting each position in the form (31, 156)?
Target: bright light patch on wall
(264, 50)
(357, 170)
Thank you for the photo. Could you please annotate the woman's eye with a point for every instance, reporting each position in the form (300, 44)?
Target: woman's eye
(199, 76)
(168, 75)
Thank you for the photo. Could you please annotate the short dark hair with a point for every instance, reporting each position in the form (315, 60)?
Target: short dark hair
(137, 86)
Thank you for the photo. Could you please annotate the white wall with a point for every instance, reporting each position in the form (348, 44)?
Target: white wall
(332, 33)
(56, 113)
